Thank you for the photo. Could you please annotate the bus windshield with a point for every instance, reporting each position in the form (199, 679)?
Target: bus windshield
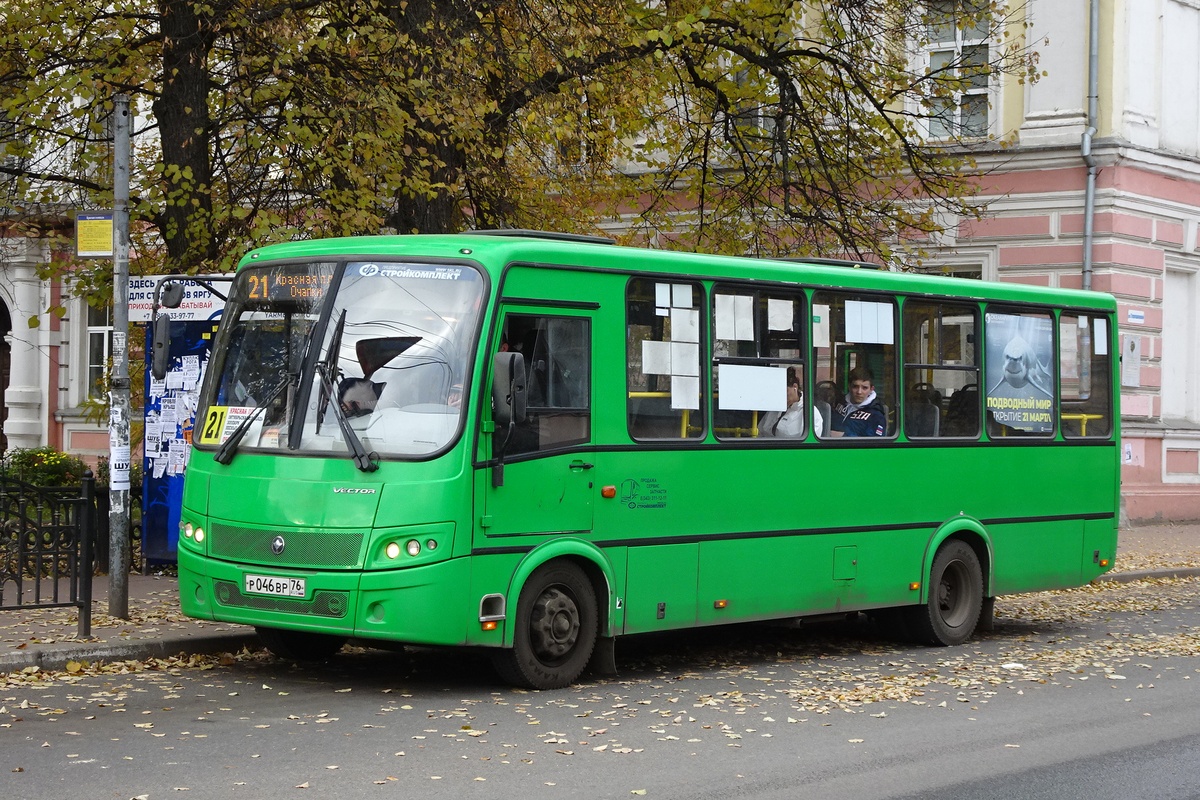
(389, 369)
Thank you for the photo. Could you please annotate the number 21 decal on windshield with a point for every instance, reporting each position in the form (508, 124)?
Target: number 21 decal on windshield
(220, 421)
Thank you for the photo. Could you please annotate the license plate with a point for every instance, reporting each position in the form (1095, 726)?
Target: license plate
(280, 587)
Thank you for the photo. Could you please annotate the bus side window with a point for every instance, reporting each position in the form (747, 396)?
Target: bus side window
(662, 352)
(1019, 395)
(941, 372)
(1085, 375)
(758, 364)
(855, 363)
(558, 355)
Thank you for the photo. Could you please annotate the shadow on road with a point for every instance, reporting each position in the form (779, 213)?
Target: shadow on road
(658, 656)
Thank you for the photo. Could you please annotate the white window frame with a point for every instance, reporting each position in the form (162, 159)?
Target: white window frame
(964, 262)
(1180, 398)
(91, 332)
(988, 92)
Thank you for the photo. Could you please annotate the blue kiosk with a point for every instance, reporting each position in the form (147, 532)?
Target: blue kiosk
(170, 403)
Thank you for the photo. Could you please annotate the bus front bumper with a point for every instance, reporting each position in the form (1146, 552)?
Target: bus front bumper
(415, 605)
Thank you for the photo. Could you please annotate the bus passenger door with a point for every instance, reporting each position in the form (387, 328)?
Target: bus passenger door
(548, 472)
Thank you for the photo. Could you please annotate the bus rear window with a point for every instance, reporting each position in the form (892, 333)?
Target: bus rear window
(1085, 374)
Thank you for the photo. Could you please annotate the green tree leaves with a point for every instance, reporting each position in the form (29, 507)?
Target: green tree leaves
(754, 126)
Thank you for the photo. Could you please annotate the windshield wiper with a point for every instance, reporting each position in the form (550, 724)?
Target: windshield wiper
(326, 367)
(228, 448)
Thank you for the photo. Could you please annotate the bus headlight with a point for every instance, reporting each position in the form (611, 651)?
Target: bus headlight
(392, 550)
(186, 527)
(199, 535)
(413, 547)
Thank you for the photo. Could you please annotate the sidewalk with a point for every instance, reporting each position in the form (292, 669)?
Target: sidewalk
(45, 638)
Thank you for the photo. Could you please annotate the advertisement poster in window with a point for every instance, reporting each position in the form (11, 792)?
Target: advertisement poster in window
(1020, 378)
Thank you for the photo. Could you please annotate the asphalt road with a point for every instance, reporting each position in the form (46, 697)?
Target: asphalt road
(1083, 694)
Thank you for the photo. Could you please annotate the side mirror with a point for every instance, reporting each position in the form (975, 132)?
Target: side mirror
(160, 358)
(172, 295)
(508, 390)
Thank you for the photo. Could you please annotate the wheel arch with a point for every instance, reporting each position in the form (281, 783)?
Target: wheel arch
(970, 531)
(594, 564)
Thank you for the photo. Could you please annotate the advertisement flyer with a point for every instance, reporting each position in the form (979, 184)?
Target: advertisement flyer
(1020, 381)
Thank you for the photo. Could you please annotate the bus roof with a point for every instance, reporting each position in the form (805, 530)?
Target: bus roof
(495, 252)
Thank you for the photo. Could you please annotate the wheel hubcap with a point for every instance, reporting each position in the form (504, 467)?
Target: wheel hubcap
(554, 625)
(951, 601)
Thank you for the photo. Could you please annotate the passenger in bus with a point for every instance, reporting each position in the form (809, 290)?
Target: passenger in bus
(790, 422)
(860, 413)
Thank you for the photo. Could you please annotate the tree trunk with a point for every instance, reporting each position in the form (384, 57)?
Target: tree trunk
(185, 129)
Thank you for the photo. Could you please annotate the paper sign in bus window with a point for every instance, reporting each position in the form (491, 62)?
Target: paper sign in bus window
(685, 325)
(1100, 336)
(747, 388)
(662, 298)
(724, 324)
(869, 323)
(733, 317)
(656, 358)
(820, 325)
(685, 358)
(779, 314)
(685, 392)
(681, 295)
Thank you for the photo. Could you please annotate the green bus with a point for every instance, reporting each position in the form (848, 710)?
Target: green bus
(535, 443)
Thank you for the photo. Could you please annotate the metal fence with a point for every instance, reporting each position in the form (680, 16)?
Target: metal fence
(46, 537)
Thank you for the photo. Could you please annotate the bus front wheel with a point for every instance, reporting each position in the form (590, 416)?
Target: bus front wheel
(300, 645)
(950, 614)
(556, 625)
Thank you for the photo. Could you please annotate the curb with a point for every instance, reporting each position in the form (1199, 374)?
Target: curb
(1141, 575)
(56, 656)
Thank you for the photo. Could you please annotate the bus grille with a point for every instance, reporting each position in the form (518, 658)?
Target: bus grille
(323, 604)
(304, 548)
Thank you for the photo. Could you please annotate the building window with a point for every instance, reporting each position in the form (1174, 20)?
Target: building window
(753, 116)
(99, 339)
(958, 57)
(968, 271)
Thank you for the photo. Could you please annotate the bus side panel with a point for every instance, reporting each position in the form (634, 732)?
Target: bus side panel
(1035, 556)
(1099, 544)
(1046, 550)
(770, 577)
(661, 587)
(762, 578)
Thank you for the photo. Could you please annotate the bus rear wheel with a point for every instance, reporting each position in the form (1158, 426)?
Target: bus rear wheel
(556, 626)
(300, 645)
(955, 597)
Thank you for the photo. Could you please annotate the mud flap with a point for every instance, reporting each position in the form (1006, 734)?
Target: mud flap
(604, 656)
(987, 616)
